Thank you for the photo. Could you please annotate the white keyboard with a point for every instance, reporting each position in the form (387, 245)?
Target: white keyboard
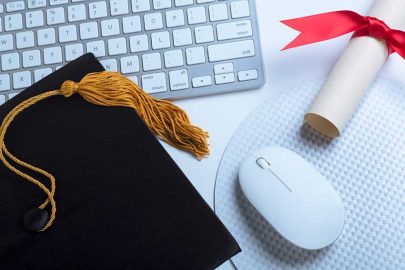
(171, 48)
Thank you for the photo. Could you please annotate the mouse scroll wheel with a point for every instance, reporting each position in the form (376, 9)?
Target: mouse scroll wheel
(263, 163)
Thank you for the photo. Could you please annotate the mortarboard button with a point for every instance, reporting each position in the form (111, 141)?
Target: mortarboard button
(35, 219)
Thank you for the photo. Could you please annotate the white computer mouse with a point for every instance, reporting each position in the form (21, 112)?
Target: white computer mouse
(293, 197)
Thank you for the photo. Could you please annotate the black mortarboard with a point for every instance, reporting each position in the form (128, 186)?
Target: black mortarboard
(122, 201)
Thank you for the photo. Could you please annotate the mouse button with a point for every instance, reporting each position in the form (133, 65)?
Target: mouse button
(249, 171)
(288, 173)
(248, 163)
(260, 185)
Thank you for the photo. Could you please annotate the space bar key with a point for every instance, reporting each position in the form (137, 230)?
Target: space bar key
(231, 50)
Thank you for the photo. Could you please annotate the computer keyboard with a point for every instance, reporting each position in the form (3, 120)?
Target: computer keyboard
(171, 48)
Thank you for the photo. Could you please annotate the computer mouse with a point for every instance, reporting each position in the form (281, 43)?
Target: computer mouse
(293, 197)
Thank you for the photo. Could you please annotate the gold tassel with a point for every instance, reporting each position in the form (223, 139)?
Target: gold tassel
(164, 119)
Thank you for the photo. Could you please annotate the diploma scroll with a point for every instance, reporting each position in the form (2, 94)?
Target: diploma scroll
(353, 73)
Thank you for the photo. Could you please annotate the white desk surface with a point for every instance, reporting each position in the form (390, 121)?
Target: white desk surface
(221, 115)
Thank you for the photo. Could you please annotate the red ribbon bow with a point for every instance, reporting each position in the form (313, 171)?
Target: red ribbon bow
(329, 25)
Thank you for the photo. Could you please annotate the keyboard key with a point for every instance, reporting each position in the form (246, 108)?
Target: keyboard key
(154, 83)
(173, 58)
(240, 9)
(140, 5)
(204, 34)
(231, 50)
(31, 58)
(117, 46)
(153, 21)
(131, 24)
(10, 61)
(225, 78)
(160, 40)
(175, 18)
(39, 74)
(76, 13)
(57, 2)
(129, 64)
(15, 6)
(36, 3)
(182, 3)
(195, 55)
(55, 16)
(2, 99)
(233, 30)
(178, 79)
(96, 47)
(182, 37)
(151, 61)
(53, 55)
(139, 43)
(4, 82)
(110, 64)
(67, 33)
(13, 22)
(247, 75)
(201, 81)
(161, 4)
(25, 40)
(1, 8)
(21, 79)
(204, 1)
(73, 51)
(134, 79)
(218, 12)
(223, 68)
(110, 27)
(11, 95)
(119, 7)
(196, 15)
(34, 18)
(46, 36)
(98, 10)
(88, 30)
(6, 43)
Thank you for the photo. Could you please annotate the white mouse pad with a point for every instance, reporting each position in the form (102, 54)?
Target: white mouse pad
(366, 165)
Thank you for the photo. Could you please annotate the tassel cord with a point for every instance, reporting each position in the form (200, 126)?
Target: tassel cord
(5, 153)
(164, 119)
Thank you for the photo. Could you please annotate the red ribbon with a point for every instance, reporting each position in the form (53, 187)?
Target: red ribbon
(329, 25)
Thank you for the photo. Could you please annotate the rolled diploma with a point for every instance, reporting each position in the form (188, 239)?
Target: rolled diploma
(353, 73)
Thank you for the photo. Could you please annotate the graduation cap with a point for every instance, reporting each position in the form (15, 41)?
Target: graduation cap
(115, 198)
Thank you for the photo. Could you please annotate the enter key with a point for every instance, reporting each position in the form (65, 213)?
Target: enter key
(233, 30)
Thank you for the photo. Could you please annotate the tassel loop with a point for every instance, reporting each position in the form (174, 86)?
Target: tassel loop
(68, 88)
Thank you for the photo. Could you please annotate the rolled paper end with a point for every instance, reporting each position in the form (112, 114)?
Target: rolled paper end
(322, 124)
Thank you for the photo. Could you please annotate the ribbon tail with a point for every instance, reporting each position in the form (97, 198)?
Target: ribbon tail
(325, 26)
(396, 42)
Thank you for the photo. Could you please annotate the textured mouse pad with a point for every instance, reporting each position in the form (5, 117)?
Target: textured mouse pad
(366, 165)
